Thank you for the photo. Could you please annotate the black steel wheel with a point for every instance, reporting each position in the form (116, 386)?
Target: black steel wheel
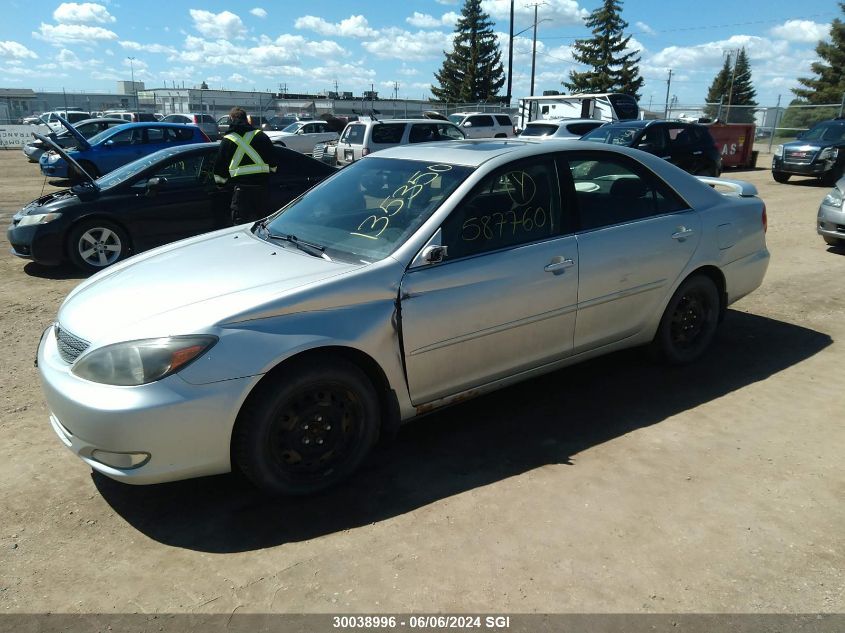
(96, 244)
(780, 176)
(689, 322)
(308, 428)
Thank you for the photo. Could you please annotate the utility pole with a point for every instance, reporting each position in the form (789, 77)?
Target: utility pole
(510, 57)
(731, 89)
(534, 49)
(668, 85)
(134, 89)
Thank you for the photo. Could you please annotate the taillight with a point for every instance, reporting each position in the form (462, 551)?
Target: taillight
(765, 219)
(196, 120)
(365, 151)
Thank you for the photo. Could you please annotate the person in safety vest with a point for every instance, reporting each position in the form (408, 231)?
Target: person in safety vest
(244, 162)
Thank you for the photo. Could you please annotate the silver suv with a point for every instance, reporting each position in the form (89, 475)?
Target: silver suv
(360, 138)
(484, 124)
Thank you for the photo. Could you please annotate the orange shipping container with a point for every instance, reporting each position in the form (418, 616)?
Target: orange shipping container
(735, 142)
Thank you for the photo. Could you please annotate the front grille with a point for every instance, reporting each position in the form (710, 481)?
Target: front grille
(319, 150)
(802, 157)
(70, 346)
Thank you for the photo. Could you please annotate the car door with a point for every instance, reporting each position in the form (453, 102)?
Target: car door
(183, 203)
(635, 237)
(682, 151)
(503, 300)
(120, 148)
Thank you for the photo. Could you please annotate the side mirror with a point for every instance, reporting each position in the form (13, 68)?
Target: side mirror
(434, 254)
(467, 124)
(109, 143)
(154, 184)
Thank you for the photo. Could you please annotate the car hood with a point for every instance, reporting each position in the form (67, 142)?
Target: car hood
(812, 144)
(228, 276)
(55, 147)
(81, 140)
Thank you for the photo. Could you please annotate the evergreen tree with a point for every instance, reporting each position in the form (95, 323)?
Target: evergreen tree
(732, 88)
(829, 83)
(473, 70)
(613, 70)
(718, 91)
(742, 93)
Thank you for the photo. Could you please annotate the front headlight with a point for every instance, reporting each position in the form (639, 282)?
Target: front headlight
(53, 157)
(834, 199)
(779, 150)
(828, 153)
(140, 362)
(38, 218)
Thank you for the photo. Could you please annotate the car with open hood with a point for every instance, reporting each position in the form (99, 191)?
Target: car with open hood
(818, 152)
(87, 128)
(117, 146)
(412, 279)
(163, 197)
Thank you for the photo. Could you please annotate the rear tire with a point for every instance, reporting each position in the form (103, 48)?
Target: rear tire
(689, 322)
(780, 176)
(307, 429)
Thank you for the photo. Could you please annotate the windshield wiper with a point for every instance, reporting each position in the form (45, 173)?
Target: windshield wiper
(308, 247)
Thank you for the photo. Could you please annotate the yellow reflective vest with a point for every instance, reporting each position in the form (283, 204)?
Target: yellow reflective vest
(258, 165)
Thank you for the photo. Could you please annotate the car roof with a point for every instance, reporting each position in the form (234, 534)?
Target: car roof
(379, 121)
(468, 152)
(563, 121)
(143, 124)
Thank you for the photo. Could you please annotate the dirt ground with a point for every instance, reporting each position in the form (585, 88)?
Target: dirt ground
(612, 486)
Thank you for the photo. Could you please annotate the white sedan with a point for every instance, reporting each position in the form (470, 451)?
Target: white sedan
(302, 136)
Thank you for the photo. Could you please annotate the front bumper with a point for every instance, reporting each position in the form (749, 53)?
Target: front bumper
(831, 222)
(54, 170)
(42, 243)
(817, 168)
(185, 429)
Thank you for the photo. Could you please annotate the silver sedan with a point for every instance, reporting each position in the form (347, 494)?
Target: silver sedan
(412, 279)
(830, 223)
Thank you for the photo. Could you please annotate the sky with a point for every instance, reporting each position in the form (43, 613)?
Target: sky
(318, 45)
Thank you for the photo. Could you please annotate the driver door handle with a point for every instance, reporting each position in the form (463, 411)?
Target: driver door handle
(682, 233)
(558, 265)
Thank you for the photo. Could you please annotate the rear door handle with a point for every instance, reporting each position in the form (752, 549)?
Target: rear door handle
(682, 233)
(559, 265)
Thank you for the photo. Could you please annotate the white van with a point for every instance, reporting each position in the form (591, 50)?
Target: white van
(604, 106)
(51, 119)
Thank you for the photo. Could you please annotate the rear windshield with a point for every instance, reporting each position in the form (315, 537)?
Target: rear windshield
(539, 130)
(388, 132)
(353, 134)
(583, 128)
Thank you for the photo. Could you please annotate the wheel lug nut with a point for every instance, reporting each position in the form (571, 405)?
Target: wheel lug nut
(328, 427)
(320, 441)
(305, 440)
(305, 427)
(319, 418)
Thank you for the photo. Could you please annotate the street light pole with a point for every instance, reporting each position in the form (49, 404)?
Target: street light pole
(533, 52)
(134, 89)
(510, 57)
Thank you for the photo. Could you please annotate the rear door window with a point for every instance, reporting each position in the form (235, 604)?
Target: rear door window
(504, 119)
(481, 120)
(384, 133)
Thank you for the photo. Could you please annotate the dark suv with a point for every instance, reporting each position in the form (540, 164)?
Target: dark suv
(687, 145)
(817, 152)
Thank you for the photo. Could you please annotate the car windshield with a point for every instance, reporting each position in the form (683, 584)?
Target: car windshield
(456, 118)
(100, 137)
(825, 132)
(367, 210)
(615, 135)
(292, 128)
(543, 129)
(124, 173)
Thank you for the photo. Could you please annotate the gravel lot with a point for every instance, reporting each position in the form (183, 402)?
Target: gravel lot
(613, 486)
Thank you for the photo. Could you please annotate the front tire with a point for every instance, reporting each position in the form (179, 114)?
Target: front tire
(96, 244)
(689, 322)
(833, 241)
(780, 176)
(308, 428)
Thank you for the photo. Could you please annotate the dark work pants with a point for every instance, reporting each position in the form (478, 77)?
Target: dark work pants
(249, 203)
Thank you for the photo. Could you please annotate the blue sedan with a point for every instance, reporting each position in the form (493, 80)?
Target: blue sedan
(118, 146)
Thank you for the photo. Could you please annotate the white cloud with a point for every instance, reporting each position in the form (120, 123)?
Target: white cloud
(259, 13)
(353, 26)
(239, 78)
(14, 50)
(446, 1)
(109, 51)
(804, 31)
(267, 57)
(645, 28)
(82, 13)
(61, 34)
(67, 58)
(426, 21)
(560, 12)
(395, 43)
(200, 51)
(147, 48)
(712, 53)
(408, 71)
(224, 25)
